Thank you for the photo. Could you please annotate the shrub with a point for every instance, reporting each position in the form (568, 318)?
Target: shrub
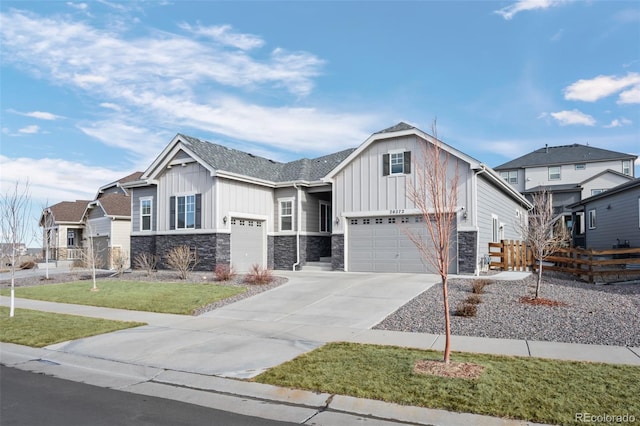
(147, 262)
(119, 261)
(224, 272)
(182, 260)
(466, 310)
(477, 286)
(474, 299)
(28, 264)
(259, 275)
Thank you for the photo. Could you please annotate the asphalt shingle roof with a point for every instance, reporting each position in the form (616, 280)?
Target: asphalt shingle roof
(565, 154)
(116, 204)
(69, 211)
(232, 160)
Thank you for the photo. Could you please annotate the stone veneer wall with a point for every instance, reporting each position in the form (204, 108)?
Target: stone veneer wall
(316, 246)
(284, 251)
(337, 252)
(467, 252)
(211, 249)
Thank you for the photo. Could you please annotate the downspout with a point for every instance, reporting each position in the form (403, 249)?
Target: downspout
(299, 221)
(475, 212)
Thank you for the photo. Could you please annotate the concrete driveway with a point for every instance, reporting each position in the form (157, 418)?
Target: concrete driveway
(245, 338)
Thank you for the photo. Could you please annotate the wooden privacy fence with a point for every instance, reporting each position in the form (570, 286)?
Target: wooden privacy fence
(584, 263)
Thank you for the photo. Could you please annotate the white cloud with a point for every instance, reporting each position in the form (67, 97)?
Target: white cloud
(573, 117)
(510, 11)
(164, 81)
(603, 86)
(223, 34)
(42, 115)
(631, 96)
(30, 130)
(78, 6)
(618, 123)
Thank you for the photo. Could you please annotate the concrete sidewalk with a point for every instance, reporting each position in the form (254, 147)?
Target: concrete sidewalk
(199, 359)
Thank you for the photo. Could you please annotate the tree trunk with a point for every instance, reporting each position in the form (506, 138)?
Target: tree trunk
(539, 280)
(447, 322)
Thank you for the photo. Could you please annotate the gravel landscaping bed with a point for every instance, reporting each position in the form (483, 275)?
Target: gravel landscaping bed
(593, 314)
(159, 276)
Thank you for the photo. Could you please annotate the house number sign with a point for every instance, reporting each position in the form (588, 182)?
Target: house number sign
(396, 211)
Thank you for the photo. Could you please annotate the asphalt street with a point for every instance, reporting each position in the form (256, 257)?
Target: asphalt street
(32, 399)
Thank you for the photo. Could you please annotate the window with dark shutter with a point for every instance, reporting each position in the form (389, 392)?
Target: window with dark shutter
(198, 211)
(385, 164)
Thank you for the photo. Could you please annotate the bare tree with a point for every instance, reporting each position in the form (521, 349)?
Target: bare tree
(540, 234)
(47, 222)
(435, 195)
(14, 207)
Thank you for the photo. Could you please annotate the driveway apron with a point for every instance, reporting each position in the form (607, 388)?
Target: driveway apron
(245, 338)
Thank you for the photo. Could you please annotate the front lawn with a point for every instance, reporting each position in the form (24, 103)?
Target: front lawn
(172, 298)
(39, 329)
(532, 389)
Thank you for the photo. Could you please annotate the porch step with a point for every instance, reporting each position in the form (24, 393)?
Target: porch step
(326, 259)
(317, 266)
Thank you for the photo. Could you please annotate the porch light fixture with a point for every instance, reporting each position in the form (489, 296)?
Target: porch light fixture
(224, 219)
(337, 220)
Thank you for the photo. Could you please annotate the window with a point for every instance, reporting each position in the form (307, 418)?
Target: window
(597, 191)
(592, 219)
(145, 214)
(511, 176)
(71, 238)
(325, 217)
(286, 215)
(185, 211)
(626, 167)
(581, 166)
(554, 173)
(396, 163)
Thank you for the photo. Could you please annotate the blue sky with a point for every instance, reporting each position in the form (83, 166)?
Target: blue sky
(92, 91)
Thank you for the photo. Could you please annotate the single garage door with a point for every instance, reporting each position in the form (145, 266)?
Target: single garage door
(102, 252)
(247, 243)
(381, 244)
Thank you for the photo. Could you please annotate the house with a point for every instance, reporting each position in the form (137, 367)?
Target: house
(105, 221)
(610, 219)
(349, 207)
(569, 172)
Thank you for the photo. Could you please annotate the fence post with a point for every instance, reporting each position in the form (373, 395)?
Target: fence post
(590, 266)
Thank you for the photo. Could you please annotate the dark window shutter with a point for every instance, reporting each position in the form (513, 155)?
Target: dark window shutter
(385, 164)
(198, 211)
(172, 212)
(407, 162)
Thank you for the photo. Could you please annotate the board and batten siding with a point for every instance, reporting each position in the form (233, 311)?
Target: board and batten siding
(189, 179)
(361, 186)
(243, 197)
(617, 217)
(136, 195)
(492, 202)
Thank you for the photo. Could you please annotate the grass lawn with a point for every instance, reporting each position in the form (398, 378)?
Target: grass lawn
(171, 298)
(39, 329)
(533, 389)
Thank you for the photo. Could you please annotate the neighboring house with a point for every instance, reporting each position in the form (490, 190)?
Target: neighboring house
(350, 207)
(569, 172)
(610, 219)
(68, 226)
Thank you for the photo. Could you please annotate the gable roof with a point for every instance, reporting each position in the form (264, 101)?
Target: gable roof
(113, 205)
(119, 183)
(219, 158)
(632, 184)
(69, 211)
(401, 129)
(565, 154)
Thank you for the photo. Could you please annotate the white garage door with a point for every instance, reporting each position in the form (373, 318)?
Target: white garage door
(247, 243)
(381, 244)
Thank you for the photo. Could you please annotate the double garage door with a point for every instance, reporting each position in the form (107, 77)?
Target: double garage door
(381, 244)
(247, 244)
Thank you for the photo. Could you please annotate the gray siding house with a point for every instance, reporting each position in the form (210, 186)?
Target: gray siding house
(610, 219)
(349, 208)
